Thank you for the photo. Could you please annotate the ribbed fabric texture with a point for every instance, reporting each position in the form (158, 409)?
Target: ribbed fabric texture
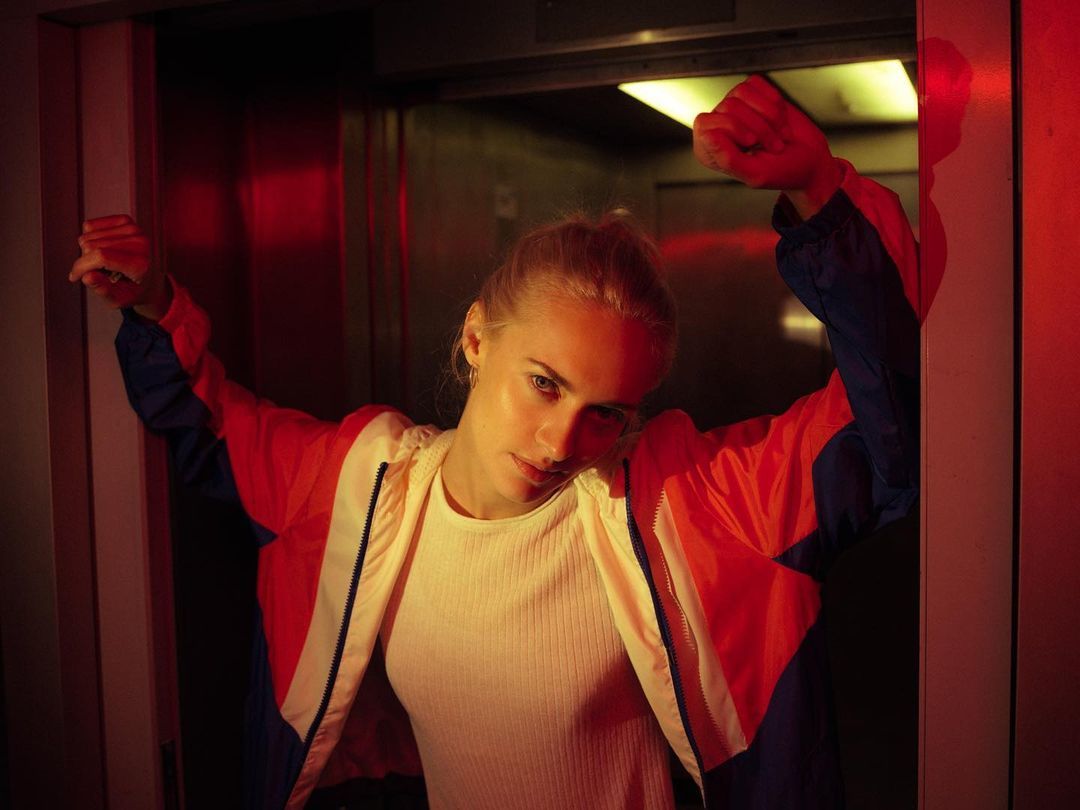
(500, 645)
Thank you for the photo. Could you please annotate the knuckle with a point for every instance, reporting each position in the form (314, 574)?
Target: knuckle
(755, 180)
(708, 120)
(716, 143)
(83, 263)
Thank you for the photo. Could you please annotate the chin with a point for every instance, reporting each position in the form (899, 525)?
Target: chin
(528, 496)
(520, 493)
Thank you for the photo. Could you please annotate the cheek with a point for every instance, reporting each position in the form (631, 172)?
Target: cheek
(508, 411)
(512, 407)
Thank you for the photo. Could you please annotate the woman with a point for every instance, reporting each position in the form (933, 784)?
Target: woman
(558, 598)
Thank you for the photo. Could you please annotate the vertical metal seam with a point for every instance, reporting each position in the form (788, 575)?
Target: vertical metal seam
(386, 257)
(924, 505)
(1018, 301)
(91, 511)
(369, 213)
(403, 256)
(250, 190)
(342, 275)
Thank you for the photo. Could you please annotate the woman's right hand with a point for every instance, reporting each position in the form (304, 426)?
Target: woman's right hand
(759, 138)
(115, 265)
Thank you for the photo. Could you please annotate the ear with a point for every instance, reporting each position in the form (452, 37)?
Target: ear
(473, 344)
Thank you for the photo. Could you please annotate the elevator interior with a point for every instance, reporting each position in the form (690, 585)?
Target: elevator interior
(334, 217)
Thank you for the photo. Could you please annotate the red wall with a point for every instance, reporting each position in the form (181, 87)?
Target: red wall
(252, 194)
(251, 178)
(1048, 637)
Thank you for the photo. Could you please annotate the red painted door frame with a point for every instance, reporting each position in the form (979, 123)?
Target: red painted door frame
(1047, 703)
(969, 426)
(966, 218)
(131, 534)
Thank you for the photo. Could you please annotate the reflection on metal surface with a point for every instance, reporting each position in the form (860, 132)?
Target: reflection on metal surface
(799, 325)
(735, 358)
(731, 243)
(833, 95)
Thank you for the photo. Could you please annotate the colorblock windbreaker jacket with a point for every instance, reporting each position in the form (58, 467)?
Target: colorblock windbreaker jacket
(711, 546)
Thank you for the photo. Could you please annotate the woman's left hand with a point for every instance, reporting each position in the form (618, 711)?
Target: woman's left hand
(755, 136)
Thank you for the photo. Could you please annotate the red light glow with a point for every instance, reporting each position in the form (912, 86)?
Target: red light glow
(748, 240)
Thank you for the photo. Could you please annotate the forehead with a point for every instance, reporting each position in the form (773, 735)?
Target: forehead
(602, 356)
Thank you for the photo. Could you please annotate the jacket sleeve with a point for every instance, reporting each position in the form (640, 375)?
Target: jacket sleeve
(855, 267)
(223, 439)
(802, 486)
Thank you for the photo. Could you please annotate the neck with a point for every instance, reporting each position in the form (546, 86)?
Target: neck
(459, 475)
(451, 485)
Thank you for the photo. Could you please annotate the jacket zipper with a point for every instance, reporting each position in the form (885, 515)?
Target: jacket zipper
(665, 628)
(339, 648)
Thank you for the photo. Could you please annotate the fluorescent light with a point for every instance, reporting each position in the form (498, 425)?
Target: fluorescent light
(854, 93)
(833, 95)
(682, 99)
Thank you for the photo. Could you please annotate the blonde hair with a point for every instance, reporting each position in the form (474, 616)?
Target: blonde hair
(609, 261)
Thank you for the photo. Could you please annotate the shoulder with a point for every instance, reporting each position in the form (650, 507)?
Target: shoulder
(646, 453)
(669, 451)
(698, 469)
(386, 432)
(669, 438)
(379, 435)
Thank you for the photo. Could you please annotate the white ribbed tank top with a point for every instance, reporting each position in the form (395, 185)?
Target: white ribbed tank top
(500, 644)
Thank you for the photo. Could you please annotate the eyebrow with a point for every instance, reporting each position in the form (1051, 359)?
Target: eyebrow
(562, 382)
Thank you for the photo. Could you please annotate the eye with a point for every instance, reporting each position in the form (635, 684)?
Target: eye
(545, 385)
(610, 416)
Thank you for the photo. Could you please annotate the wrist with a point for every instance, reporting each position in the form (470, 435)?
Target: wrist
(819, 189)
(157, 299)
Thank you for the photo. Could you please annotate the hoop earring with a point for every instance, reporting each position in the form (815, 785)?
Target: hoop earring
(474, 375)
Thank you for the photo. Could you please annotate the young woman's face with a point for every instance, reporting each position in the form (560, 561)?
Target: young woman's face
(555, 388)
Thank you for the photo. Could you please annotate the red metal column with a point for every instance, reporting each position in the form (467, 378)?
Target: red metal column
(130, 496)
(966, 168)
(47, 596)
(1048, 599)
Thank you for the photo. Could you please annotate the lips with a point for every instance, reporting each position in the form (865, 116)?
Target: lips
(534, 474)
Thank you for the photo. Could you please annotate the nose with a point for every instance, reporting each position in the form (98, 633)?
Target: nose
(556, 437)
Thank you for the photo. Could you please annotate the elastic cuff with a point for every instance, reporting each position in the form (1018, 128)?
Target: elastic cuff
(172, 314)
(829, 218)
(178, 308)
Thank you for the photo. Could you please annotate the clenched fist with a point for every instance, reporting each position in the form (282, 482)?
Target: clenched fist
(755, 136)
(115, 265)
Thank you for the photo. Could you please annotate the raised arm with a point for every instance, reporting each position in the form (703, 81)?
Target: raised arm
(801, 486)
(223, 439)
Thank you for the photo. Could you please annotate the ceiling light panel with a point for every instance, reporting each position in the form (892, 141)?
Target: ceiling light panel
(683, 99)
(854, 93)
